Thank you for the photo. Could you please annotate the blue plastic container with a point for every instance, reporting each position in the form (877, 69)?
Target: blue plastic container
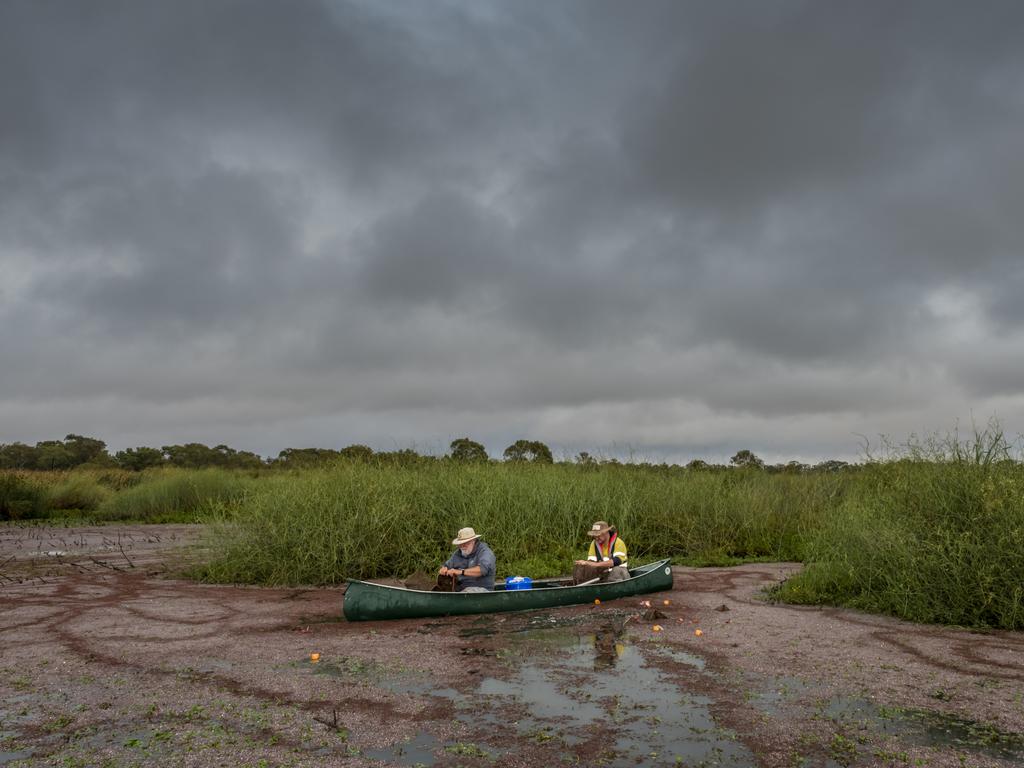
(518, 582)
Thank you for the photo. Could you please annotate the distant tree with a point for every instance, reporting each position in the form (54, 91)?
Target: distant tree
(17, 456)
(232, 459)
(403, 457)
(191, 455)
(832, 465)
(139, 458)
(584, 459)
(746, 460)
(358, 452)
(305, 457)
(465, 449)
(197, 455)
(53, 454)
(697, 465)
(529, 450)
(86, 449)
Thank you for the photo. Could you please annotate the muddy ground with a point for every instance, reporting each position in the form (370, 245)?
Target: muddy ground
(107, 660)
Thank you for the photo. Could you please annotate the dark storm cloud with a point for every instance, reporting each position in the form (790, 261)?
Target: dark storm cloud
(444, 250)
(670, 225)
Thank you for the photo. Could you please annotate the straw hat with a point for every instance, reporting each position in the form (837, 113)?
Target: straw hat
(600, 527)
(465, 535)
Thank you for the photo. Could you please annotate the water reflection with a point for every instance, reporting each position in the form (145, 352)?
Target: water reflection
(608, 647)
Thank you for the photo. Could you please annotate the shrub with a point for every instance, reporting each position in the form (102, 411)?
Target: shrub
(77, 491)
(20, 499)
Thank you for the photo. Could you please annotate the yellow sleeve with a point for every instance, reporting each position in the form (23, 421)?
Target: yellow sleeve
(592, 552)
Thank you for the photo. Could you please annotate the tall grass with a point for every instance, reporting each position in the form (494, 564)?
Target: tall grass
(934, 537)
(175, 496)
(22, 497)
(360, 520)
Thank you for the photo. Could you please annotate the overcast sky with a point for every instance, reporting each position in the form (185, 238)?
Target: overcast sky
(666, 229)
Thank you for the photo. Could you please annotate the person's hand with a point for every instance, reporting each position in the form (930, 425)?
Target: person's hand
(443, 571)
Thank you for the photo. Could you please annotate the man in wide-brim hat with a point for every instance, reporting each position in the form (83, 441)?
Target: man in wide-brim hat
(473, 564)
(607, 555)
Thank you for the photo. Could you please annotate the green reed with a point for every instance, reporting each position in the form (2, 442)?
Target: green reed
(930, 541)
(932, 533)
(360, 520)
(175, 495)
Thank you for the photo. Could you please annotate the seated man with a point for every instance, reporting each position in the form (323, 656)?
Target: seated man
(473, 563)
(607, 553)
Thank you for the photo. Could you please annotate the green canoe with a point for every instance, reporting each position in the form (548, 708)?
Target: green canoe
(365, 601)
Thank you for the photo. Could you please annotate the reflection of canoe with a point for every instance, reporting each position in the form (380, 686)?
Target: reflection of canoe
(366, 601)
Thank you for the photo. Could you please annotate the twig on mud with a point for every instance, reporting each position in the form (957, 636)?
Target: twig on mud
(105, 564)
(62, 561)
(125, 554)
(332, 723)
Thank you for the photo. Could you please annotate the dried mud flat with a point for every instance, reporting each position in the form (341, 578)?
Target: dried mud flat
(109, 661)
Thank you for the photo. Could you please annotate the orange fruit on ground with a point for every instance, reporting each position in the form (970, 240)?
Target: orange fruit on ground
(666, 602)
(597, 601)
(656, 627)
(697, 632)
(314, 657)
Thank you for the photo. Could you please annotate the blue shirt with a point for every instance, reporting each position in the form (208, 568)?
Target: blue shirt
(482, 556)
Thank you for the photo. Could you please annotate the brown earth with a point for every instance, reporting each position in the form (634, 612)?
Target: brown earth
(106, 660)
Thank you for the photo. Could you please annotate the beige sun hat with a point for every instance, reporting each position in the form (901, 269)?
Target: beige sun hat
(600, 527)
(465, 535)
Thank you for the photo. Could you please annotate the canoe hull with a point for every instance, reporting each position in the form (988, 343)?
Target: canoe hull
(365, 601)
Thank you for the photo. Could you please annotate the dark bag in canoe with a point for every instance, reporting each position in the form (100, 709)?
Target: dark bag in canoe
(445, 583)
(582, 572)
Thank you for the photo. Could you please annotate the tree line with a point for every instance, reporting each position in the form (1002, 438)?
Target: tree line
(78, 451)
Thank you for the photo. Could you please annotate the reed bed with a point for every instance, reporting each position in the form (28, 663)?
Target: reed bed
(929, 541)
(175, 495)
(933, 533)
(361, 521)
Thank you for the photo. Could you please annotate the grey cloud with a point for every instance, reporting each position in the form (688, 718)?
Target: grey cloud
(599, 225)
(442, 249)
(185, 254)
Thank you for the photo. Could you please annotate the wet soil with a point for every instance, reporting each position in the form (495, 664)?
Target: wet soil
(107, 659)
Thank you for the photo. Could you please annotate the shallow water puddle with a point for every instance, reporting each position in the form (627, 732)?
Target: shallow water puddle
(14, 715)
(778, 692)
(8, 757)
(928, 728)
(675, 654)
(419, 750)
(569, 688)
(600, 686)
